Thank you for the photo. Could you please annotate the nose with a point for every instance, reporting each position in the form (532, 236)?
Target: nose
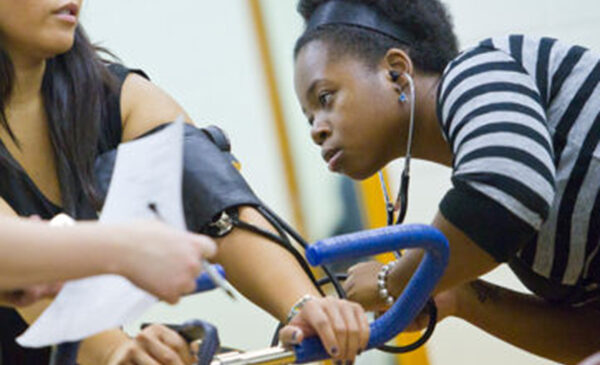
(319, 131)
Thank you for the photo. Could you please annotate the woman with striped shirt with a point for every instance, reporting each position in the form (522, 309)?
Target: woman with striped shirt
(517, 119)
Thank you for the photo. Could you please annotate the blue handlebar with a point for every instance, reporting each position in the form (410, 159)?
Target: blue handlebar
(416, 293)
(205, 283)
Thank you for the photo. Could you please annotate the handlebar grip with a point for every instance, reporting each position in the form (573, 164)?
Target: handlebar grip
(372, 242)
(205, 283)
(416, 293)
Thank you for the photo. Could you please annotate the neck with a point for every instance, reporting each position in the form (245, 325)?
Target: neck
(429, 143)
(29, 74)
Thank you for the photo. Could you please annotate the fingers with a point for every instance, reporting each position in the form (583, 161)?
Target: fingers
(351, 314)
(291, 335)
(191, 286)
(165, 346)
(351, 328)
(131, 353)
(348, 284)
(364, 327)
(318, 319)
(341, 325)
(177, 343)
(205, 246)
(159, 351)
(140, 357)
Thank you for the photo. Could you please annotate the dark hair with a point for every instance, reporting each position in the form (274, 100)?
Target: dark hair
(74, 89)
(426, 21)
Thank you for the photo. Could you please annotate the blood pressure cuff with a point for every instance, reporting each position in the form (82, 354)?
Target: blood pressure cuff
(212, 183)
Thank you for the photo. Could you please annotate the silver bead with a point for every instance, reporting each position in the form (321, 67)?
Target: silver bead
(381, 284)
(383, 293)
(381, 275)
(389, 300)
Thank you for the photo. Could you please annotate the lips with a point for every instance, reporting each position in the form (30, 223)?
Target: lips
(69, 9)
(332, 157)
(328, 153)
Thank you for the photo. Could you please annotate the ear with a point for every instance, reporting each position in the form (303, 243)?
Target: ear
(399, 61)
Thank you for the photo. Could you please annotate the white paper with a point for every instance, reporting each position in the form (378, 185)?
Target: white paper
(148, 170)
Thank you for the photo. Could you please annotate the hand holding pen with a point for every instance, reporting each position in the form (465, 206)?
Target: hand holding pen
(209, 269)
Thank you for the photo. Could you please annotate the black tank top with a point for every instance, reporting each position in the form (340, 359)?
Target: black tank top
(20, 192)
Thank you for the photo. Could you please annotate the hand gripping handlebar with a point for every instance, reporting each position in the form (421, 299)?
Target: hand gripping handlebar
(416, 293)
(395, 320)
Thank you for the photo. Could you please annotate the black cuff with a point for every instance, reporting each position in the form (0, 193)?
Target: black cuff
(211, 182)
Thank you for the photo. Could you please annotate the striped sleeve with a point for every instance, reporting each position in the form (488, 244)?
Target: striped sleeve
(503, 177)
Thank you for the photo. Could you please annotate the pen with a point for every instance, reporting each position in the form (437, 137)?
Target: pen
(208, 268)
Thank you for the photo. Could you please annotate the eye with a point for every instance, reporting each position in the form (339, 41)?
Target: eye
(325, 98)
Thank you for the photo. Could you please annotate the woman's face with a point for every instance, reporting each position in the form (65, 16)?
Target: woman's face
(353, 111)
(38, 28)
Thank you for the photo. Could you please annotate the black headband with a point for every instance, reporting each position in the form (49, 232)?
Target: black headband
(354, 14)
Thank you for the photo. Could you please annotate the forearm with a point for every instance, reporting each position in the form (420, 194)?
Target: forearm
(261, 270)
(563, 334)
(99, 348)
(466, 263)
(34, 253)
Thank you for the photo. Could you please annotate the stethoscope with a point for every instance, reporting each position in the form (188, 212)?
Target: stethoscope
(334, 278)
(401, 202)
(401, 205)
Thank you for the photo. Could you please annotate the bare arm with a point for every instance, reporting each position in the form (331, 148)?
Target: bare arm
(560, 333)
(259, 269)
(263, 271)
(255, 266)
(47, 254)
(563, 334)
(467, 261)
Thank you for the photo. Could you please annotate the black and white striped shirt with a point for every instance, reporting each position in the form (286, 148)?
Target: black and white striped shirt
(522, 116)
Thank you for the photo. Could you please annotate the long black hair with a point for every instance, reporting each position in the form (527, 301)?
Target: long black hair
(74, 90)
(426, 21)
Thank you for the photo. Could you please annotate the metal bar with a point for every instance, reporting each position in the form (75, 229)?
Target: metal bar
(270, 356)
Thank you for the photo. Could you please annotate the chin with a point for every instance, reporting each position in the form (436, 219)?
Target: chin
(360, 175)
(59, 45)
(364, 170)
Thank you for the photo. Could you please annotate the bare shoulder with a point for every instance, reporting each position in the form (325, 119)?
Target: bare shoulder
(145, 106)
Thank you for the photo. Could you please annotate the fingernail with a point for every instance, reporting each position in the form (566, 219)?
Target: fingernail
(295, 336)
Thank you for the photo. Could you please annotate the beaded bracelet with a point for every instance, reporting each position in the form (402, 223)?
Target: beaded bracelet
(381, 283)
(296, 308)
